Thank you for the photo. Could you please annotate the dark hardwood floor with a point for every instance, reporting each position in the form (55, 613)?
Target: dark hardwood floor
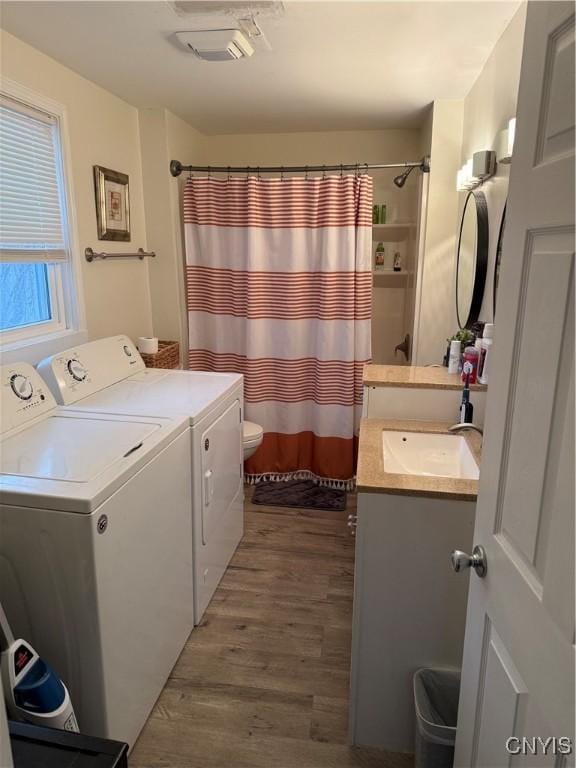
(263, 682)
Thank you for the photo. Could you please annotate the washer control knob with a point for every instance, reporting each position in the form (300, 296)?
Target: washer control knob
(21, 386)
(77, 370)
(127, 350)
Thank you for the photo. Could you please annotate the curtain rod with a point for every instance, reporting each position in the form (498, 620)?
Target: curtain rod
(176, 167)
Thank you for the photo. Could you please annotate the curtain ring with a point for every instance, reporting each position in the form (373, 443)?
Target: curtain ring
(306, 173)
(209, 172)
(281, 173)
(341, 171)
(228, 173)
(323, 171)
(366, 168)
(258, 173)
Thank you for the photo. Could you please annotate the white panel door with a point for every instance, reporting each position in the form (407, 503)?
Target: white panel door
(518, 666)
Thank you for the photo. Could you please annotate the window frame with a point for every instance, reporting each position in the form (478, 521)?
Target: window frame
(32, 342)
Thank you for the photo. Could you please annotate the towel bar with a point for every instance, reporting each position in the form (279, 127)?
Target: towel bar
(141, 254)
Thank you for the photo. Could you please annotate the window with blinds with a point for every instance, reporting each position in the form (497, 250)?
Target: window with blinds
(34, 249)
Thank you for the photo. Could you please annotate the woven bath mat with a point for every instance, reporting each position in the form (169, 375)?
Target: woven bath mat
(299, 493)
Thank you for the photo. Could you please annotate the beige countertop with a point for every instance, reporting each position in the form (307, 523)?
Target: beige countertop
(418, 376)
(371, 477)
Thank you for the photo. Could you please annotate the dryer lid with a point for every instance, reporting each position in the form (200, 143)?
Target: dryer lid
(166, 393)
(74, 450)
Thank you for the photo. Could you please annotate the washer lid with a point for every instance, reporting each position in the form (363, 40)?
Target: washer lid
(71, 449)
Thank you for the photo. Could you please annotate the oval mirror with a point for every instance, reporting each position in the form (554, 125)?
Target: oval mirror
(472, 259)
(498, 258)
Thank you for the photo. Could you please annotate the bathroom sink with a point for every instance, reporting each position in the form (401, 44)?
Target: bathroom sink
(426, 453)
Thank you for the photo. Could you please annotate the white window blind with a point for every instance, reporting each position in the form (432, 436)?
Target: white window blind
(32, 220)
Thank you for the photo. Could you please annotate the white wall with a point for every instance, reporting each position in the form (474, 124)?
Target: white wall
(103, 131)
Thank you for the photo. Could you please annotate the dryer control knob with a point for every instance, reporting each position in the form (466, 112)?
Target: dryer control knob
(77, 370)
(21, 386)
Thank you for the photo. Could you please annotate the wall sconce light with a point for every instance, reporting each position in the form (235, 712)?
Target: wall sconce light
(477, 169)
(464, 178)
(469, 180)
(511, 135)
(506, 142)
(483, 164)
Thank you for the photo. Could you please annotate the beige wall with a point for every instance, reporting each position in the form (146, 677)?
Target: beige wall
(165, 137)
(311, 147)
(458, 129)
(333, 147)
(435, 316)
(488, 107)
(103, 131)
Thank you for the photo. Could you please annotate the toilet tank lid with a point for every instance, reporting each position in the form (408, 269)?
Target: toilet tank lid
(252, 430)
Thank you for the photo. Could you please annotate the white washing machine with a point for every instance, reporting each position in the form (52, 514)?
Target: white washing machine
(109, 376)
(95, 557)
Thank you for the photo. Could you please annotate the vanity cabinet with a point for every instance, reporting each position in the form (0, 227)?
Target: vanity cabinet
(409, 608)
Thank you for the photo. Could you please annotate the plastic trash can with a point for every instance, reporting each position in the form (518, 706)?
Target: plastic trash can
(436, 693)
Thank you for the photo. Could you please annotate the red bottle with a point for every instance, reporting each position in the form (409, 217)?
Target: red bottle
(470, 364)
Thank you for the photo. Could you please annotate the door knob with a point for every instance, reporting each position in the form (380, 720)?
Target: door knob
(477, 560)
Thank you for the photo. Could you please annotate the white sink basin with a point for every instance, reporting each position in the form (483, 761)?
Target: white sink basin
(426, 453)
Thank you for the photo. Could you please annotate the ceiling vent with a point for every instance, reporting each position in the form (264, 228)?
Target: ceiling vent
(235, 8)
(216, 44)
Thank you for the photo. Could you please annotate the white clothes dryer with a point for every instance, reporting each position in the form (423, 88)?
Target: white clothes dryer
(109, 376)
(95, 561)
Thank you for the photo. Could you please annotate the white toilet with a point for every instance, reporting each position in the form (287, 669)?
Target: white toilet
(251, 438)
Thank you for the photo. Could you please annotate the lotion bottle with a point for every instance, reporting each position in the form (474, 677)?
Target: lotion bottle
(455, 356)
(485, 353)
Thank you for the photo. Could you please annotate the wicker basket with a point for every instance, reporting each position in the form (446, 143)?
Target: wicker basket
(168, 356)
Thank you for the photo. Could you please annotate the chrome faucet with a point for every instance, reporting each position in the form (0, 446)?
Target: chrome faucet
(462, 426)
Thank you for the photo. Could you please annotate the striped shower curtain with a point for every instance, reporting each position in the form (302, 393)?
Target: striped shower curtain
(279, 288)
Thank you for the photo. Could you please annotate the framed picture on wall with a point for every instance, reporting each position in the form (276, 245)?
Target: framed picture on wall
(112, 204)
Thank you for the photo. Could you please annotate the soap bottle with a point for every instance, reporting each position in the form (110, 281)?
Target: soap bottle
(397, 262)
(485, 353)
(379, 257)
(466, 407)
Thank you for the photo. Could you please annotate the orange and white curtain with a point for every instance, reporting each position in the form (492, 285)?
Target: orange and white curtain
(279, 288)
